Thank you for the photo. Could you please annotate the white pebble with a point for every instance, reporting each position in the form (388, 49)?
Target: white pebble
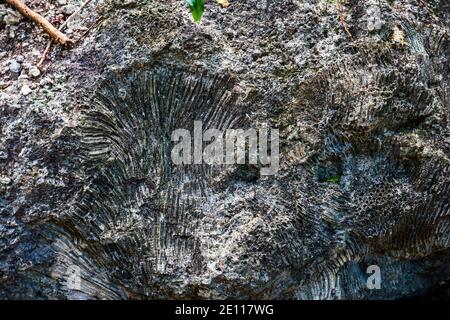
(25, 90)
(35, 72)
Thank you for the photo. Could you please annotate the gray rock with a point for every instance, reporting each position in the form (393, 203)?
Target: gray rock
(98, 210)
(15, 67)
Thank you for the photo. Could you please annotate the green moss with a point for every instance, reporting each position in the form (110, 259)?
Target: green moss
(333, 179)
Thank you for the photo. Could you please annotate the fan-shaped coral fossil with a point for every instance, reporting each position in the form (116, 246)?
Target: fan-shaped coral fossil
(140, 211)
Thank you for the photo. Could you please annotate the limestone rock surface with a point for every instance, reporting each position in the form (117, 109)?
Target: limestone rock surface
(359, 91)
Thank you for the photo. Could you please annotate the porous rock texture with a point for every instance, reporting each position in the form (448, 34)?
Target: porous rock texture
(359, 91)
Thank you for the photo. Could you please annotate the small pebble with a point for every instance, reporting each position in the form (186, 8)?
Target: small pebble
(25, 90)
(34, 72)
(15, 67)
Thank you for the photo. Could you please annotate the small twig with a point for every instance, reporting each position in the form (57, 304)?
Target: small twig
(95, 24)
(44, 55)
(49, 43)
(54, 33)
(73, 14)
(342, 20)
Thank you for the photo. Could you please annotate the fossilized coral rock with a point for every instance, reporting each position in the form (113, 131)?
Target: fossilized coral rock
(89, 188)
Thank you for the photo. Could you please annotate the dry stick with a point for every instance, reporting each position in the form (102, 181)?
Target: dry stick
(44, 55)
(49, 43)
(40, 20)
(97, 22)
(342, 20)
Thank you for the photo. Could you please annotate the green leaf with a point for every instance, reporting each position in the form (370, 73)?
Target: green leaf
(334, 179)
(197, 8)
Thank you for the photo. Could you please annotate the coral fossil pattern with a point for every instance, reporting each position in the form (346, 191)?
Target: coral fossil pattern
(92, 207)
(150, 224)
(140, 210)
